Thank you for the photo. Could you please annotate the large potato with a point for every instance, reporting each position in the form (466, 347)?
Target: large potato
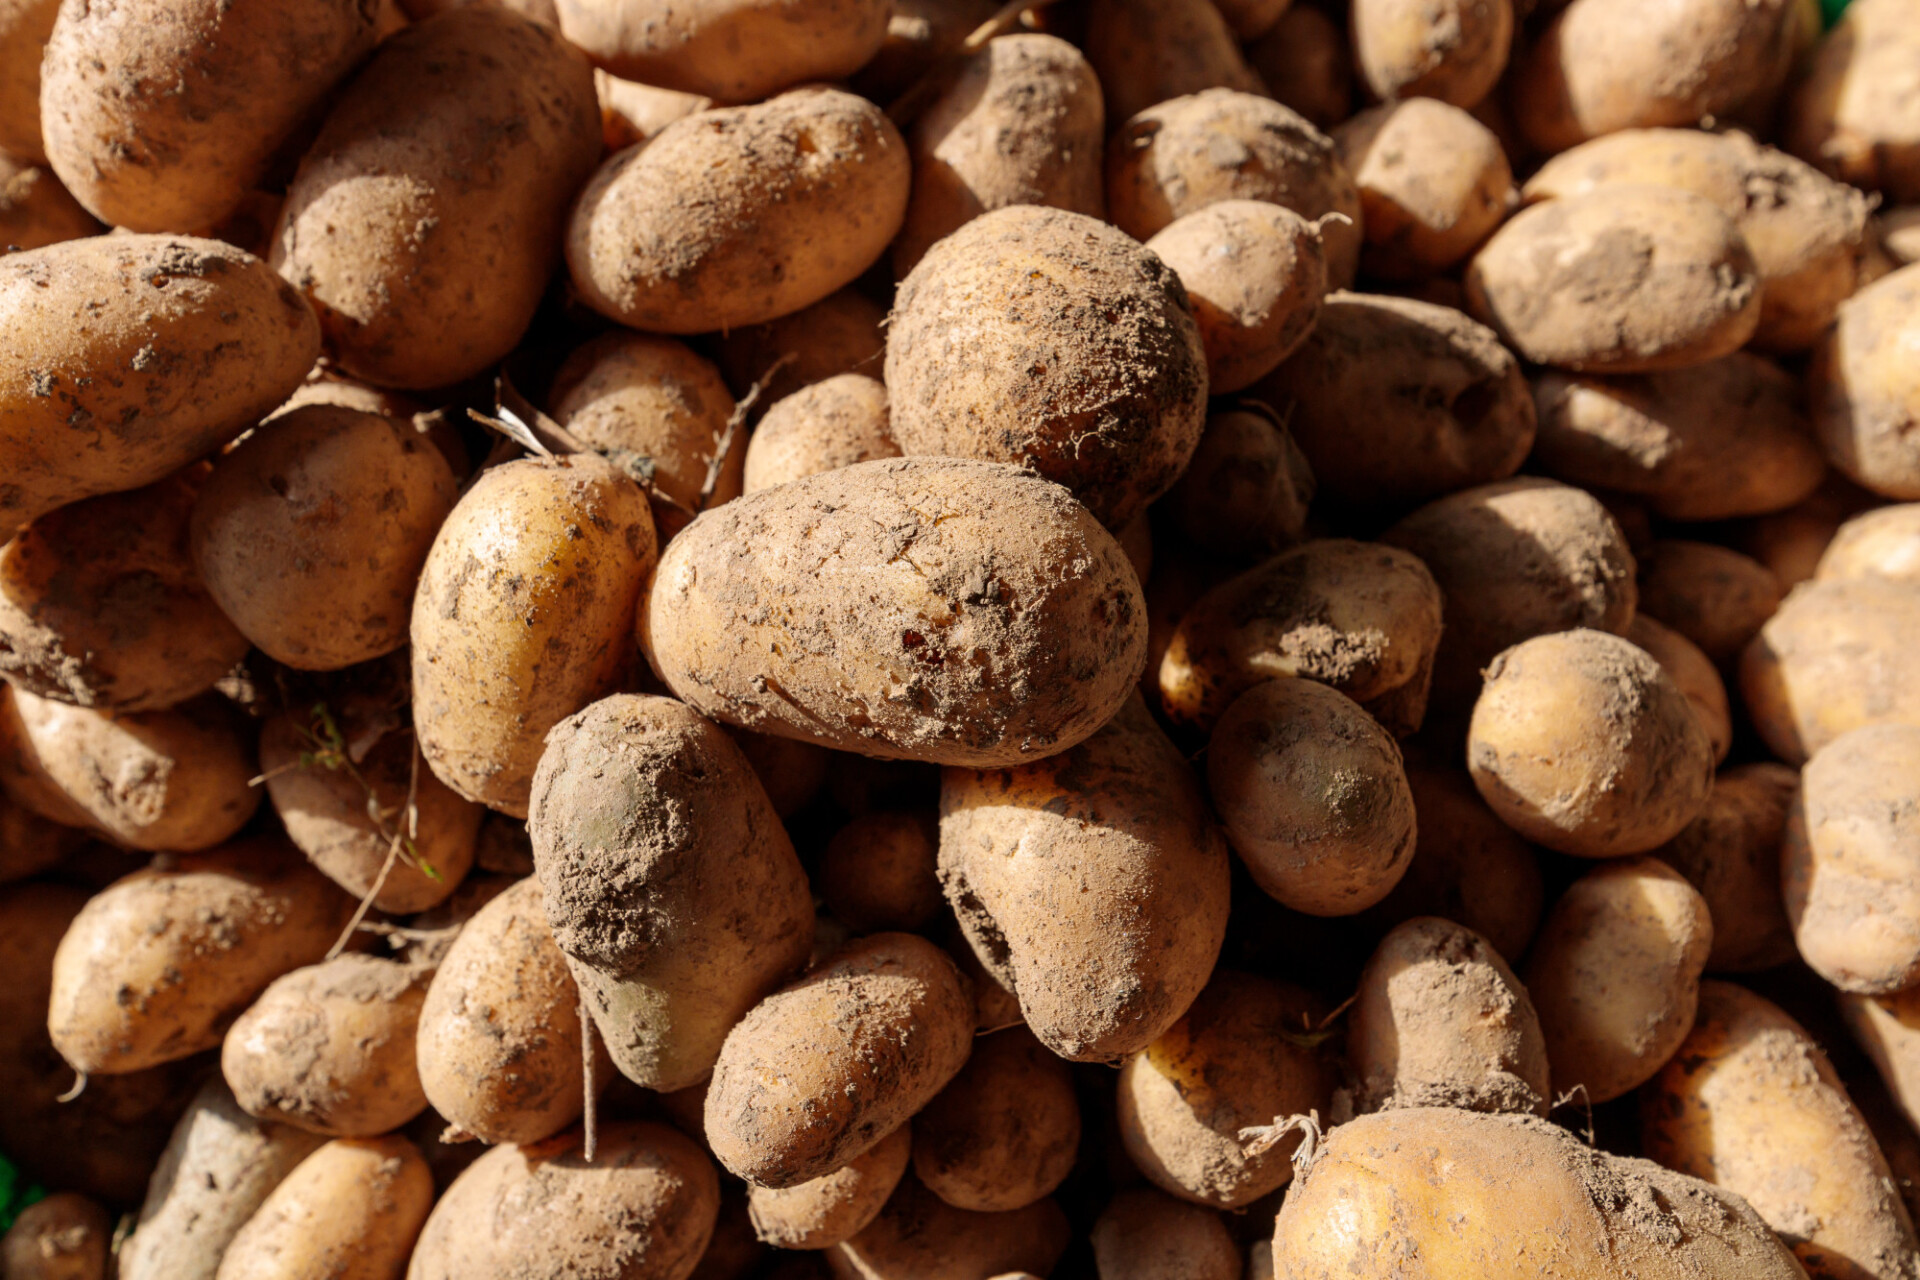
(1865, 390)
(822, 1212)
(1453, 51)
(35, 210)
(945, 610)
(1837, 656)
(148, 352)
(1433, 183)
(429, 278)
(1004, 1132)
(1148, 51)
(1731, 853)
(349, 1211)
(1855, 115)
(831, 424)
(740, 215)
(919, 1236)
(24, 28)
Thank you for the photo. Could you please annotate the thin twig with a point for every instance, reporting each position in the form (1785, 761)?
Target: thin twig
(589, 1117)
(1262, 1138)
(735, 422)
(1586, 1104)
(393, 856)
(79, 1087)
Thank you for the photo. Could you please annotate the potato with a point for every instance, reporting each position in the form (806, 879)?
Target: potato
(1715, 597)
(1148, 51)
(1899, 234)
(1454, 51)
(218, 1169)
(1305, 62)
(24, 28)
(350, 1211)
(1000, 560)
(63, 1237)
(1239, 1058)
(740, 215)
(1048, 339)
(1312, 795)
(499, 1034)
(35, 210)
(672, 888)
(159, 964)
(1887, 1029)
(920, 34)
(793, 773)
(841, 333)
(1865, 395)
(919, 1236)
(819, 1072)
(493, 120)
(1245, 494)
(827, 425)
(1624, 279)
(631, 112)
(150, 351)
(31, 844)
(1179, 156)
(1837, 656)
(1516, 559)
(522, 617)
(1751, 1104)
(1144, 1235)
(1854, 115)
(835, 1206)
(1004, 1132)
(161, 117)
(1438, 1191)
(644, 1209)
(1092, 885)
(1433, 181)
(1883, 543)
(1021, 122)
(1791, 542)
(878, 873)
(1694, 674)
(1731, 854)
(1453, 412)
(1710, 442)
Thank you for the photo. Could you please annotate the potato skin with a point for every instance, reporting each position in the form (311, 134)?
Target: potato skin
(24, 28)
(830, 424)
(1694, 674)
(1854, 115)
(1731, 853)
(1433, 183)
(895, 623)
(350, 1211)
(740, 215)
(1148, 51)
(493, 120)
(149, 351)
(35, 210)
(1712, 595)
(919, 1236)
(63, 1237)
(1835, 657)
(1144, 1235)
(1453, 52)
(1865, 393)
(1306, 63)
(841, 333)
(1882, 543)
(1245, 494)
(836, 1206)
(1004, 1132)
(1887, 1029)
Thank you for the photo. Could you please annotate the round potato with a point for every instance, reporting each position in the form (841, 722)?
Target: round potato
(1004, 1132)
(63, 1237)
(1854, 114)
(830, 424)
(919, 1236)
(1144, 1235)
(1731, 853)
(1865, 392)
(24, 28)
(1307, 64)
(836, 1206)
(1714, 596)
(879, 872)
(1433, 181)
(1245, 494)
(844, 332)
(349, 1211)
(35, 210)
(1148, 51)
(1693, 672)
(1453, 51)
(1884, 543)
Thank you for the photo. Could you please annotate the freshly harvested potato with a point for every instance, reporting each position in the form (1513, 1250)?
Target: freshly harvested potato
(1092, 885)
(1004, 1132)
(1049, 339)
(1145, 1235)
(644, 1209)
(523, 617)
(1240, 1058)
(492, 119)
(919, 1236)
(1305, 62)
(1632, 278)
(498, 1045)
(879, 872)
(1255, 274)
(1883, 543)
(1453, 51)
(1854, 115)
(1397, 402)
(1710, 442)
(1180, 156)
(63, 1237)
(1615, 975)
(1887, 1029)
(824, 1211)
(1021, 122)
(937, 564)
(1712, 595)
(631, 112)
(24, 28)
(330, 1048)
(841, 333)
(1433, 180)
(827, 425)
(792, 772)
(150, 351)
(1251, 19)
(672, 888)
(1148, 51)
(1865, 391)
(350, 1211)
(1694, 674)
(1731, 854)
(1752, 1105)
(740, 215)
(35, 210)
(1245, 493)
(30, 844)
(1791, 542)
(920, 33)
(1313, 796)
(1837, 656)
(1437, 1191)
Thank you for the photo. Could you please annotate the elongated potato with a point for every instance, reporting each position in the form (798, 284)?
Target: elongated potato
(1731, 853)
(1148, 51)
(423, 282)
(1245, 493)
(919, 1236)
(1836, 657)
(200, 341)
(740, 215)
(831, 424)
(1454, 51)
(63, 1237)
(350, 1211)
(35, 210)
(1004, 1132)
(1694, 674)
(1712, 595)
(833, 1207)
(24, 28)
(1433, 182)
(1144, 1235)
(1854, 114)
(1865, 393)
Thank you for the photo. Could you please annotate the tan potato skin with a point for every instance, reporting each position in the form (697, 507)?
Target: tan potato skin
(1887, 1029)
(740, 215)
(63, 1237)
(350, 1211)
(423, 282)
(729, 50)
(919, 1236)
(137, 354)
(830, 424)
(1433, 183)
(1004, 1132)
(522, 617)
(841, 333)
(836, 1206)
(1751, 1104)
(1246, 492)
(1883, 543)
(24, 28)
(1145, 1235)
(1864, 390)
(1712, 595)
(919, 34)
(1306, 63)
(1731, 854)
(1854, 114)
(1439, 1192)
(30, 844)
(1453, 51)
(1694, 674)
(631, 112)
(35, 210)
(1148, 51)
(879, 872)
(1233, 1061)
(1835, 657)
(872, 597)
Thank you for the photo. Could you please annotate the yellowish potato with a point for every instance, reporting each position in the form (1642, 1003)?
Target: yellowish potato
(1883, 543)
(1887, 1029)
(1453, 51)
(919, 1236)
(833, 1207)
(1865, 391)
(830, 424)
(1004, 1132)
(1433, 182)
(349, 1211)
(35, 210)
(1837, 656)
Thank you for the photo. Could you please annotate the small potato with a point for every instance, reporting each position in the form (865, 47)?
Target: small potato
(841, 333)
(1864, 388)
(1791, 542)
(1624, 279)
(1144, 1235)
(919, 1236)
(350, 1211)
(919, 35)
(644, 1209)
(1837, 656)
(1855, 115)
(1148, 51)
(1731, 854)
(1312, 795)
(1583, 743)
(35, 210)
(1255, 274)
(24, 28)
(1694, 674)
(1883, 543)
(836, 1206)
(1433, 182)
(1752, 1105)
(631, 112)
(1715, 597)
(1245, 494)
(63, 1237)
(1453, 51)
(740, 215)
(1180, 156)
(31, 844)
(830, 424)
(1397, 402)
(879, 873)
(1305, 62)
(1615, 975)
(1004, 1132)
(1238, 1059)
(1021, 122)
(793, 773)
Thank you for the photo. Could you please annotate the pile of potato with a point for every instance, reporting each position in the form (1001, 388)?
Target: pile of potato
(936, 640)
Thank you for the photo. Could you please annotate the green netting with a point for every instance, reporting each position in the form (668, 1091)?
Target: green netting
(14, 1195)
(1832, 9)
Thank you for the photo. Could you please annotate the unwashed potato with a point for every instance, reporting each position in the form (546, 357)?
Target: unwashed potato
(1453, 51)
(30, 844)
(1433, 181)
(200, 341)
(740, 215)
(1004, 1132)
(1712, 595)
(919, 1236)
(631, 112)
(1693, 672)
(1240, 1058)
(937, 564)
(1884, 543)
(1835, 657)
(1751, 1104)
(841, 333)
(1305, 62)
(1855, 114)
(792, 772)
(1887, 1029)
(35, 210)
(1022, 122)
(1508, 1198)
(1731, 853)
(1865, 390)
(424, 281)
(879, 872)
(63, 1237)
(1148, 51)
(1049, 339)
(24, 28)
(830, 424)
(1791, 542)
(1632, 278)
(349, 1211)
(1396, 401)
(1092, 885)
(1144, 1235)
(1251, 19)
(833, 1207)
(919, 34)
(1245, 493)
